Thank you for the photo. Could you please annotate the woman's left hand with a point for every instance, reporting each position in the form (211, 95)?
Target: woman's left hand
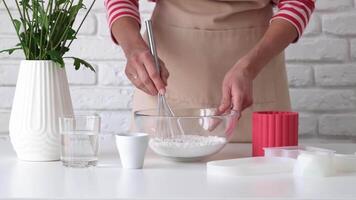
(236, 92)
(236, 89)
(237, 84)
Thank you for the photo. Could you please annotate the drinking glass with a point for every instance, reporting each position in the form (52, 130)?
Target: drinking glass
(79, 140)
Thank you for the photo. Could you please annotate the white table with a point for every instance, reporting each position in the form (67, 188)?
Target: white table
(160, 179)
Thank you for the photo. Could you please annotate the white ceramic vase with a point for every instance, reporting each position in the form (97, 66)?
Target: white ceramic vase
(41, 97)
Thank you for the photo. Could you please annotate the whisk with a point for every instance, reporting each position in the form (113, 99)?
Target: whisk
(166, 126)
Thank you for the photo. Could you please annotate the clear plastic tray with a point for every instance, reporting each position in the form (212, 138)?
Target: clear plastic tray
(253, 166)
(310, 161)
(314, 162)
(292, 151)
(345, 162)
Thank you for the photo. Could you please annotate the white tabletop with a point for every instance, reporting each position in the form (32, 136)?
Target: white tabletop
(160, 179)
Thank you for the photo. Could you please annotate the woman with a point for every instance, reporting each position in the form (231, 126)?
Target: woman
(223, 53)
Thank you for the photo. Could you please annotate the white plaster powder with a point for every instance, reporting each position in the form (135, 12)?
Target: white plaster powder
(187, 146)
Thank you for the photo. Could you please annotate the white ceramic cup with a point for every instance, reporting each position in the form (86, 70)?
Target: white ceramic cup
(132, 149)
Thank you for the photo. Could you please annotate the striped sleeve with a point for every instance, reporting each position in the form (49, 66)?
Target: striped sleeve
(297, 12)
(116, 9)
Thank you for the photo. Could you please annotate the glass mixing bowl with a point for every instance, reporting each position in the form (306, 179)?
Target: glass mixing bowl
(190, 135)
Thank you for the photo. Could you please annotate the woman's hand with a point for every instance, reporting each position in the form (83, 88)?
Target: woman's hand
(236, 89)
(236, 96)
(142, 72)
(236, 93)
(140, 66)
(237, 84)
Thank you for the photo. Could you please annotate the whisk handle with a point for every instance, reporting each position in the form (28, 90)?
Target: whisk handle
(151, 43)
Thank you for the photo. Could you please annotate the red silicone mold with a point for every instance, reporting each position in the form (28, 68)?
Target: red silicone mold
(273, 129)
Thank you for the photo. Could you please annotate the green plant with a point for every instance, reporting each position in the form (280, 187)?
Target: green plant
(46, 29)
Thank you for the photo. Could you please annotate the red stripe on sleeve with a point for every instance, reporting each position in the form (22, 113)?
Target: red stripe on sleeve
(126, 13)
(119, 8)
(291, 19)
(297, 13)
(301, 7)
(121, 3)
(309, 3)
(131, 2)
(135, 2)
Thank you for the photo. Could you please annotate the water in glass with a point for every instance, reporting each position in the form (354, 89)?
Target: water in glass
(79, 149)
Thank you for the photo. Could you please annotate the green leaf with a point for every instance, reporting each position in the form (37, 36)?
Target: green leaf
(43, 18)
(71, 34)
(10, 51)
(56, 57)
(17, 24)
(78, 62)
(73, 11)
(24, 2)
(64, 50)
(60, 2)
(44, 27)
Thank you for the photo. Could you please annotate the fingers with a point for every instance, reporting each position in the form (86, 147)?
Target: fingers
(225, 104)
(133, 77)
(233, 120)
(237, 101)
(142, 72)
(145, 81)
(213, 123)
(242, 98)
(236, 106)
(247, 102)
(154, 75)
(235, 114)
(164, 73)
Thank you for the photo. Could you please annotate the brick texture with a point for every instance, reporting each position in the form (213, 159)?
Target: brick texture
(323, 99)
(332, 5)
(4, 122)
(343, 124)
(318, 49)
(321, 71)
(300, 75)
(353, 49)
(340, 24)
(335, 75)
(307, 124)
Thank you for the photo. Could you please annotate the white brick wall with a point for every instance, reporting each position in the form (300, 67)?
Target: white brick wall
(321, 71)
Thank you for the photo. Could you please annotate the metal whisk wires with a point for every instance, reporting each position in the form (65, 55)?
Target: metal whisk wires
(165, 126)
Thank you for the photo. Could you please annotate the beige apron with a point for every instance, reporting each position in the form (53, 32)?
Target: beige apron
(199, 41)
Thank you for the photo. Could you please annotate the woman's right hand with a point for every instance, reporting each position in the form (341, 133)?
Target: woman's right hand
(140, 67)
(141, 71)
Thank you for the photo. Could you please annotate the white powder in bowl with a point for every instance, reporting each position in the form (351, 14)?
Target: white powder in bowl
(187, 146)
